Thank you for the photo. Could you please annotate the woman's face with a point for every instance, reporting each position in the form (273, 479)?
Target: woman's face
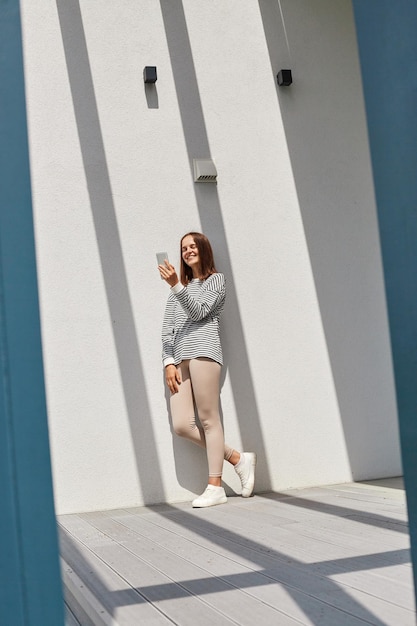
(189, 252)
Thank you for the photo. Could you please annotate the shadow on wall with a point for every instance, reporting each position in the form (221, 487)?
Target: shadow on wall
(110, 250)
(325, 127)
(208, 204)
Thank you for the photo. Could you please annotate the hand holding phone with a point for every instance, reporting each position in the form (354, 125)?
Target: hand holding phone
(167, 272)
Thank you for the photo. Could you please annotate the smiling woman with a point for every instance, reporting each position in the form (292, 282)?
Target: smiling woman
(196, 258)
(192, 357)
(189, 252)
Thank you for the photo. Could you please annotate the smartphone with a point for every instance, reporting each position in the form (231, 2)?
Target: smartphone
(160, 257)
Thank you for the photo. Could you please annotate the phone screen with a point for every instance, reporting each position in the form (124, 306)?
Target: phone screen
(161, 256)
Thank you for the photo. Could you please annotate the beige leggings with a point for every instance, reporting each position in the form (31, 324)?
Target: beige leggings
(200, 385)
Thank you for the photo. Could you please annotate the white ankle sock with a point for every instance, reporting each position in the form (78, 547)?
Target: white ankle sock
(241, 460)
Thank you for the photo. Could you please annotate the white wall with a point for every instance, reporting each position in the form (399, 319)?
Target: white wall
(308, 379)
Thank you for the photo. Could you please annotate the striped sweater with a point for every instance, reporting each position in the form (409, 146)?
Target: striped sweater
(191, 322)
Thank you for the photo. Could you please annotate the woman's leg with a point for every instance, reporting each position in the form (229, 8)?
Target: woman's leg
(182, 409)
(183, 414)
(206, 393)
(205, 378)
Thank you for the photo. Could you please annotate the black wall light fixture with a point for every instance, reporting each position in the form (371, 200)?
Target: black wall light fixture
(284, 78)
(149, 74)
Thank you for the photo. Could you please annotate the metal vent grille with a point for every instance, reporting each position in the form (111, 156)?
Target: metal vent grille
(204, 171)
(206, 178)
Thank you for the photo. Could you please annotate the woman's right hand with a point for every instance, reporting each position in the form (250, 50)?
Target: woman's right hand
(172, 378)
(168, 273)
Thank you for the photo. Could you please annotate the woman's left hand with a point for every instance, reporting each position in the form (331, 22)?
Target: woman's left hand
(168, 273)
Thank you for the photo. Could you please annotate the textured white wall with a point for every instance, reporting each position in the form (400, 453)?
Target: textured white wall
(307, 380)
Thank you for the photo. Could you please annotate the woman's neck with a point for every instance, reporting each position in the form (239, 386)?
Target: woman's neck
(197, 273)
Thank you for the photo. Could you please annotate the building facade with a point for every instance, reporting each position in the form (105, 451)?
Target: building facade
(308, 378)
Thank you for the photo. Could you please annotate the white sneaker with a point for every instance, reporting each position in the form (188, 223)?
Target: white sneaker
(211, 496)
(245, 469)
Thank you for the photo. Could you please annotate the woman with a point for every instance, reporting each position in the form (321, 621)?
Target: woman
(192, 357)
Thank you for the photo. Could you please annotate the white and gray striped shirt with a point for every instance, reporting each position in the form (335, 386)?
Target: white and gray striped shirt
(191, 322)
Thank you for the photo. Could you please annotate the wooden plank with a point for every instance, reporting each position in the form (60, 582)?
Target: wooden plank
(259, 529)
(214, 592)
(379, 540)
(85, 606)
(264, 539)
(260, 590)
(319, 567)
(354, 491)
(157, 587)
(356, 527)
(331, 498)
(318, 587)
(355, 496)
(377, 584)
(108, 589)
(326, 501)
(339, 531)
(389, 483)
(70, 619)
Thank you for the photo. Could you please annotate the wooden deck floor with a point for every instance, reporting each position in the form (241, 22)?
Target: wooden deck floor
(328, 556)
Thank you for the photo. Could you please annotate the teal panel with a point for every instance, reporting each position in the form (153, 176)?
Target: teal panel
(11, 588)
(30, 578)
(387, 38)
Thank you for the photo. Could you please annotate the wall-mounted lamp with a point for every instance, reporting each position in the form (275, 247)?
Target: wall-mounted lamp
(284, 78)
(149, 74)
(204, 171)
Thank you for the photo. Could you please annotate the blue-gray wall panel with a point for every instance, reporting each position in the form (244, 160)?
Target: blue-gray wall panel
(30, 581)
(387, 38)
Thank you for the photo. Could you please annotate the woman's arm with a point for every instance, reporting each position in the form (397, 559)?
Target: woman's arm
(168, 332)
(209, 298)
(172, 374)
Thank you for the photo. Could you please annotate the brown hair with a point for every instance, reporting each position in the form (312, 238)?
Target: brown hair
(205, 254)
